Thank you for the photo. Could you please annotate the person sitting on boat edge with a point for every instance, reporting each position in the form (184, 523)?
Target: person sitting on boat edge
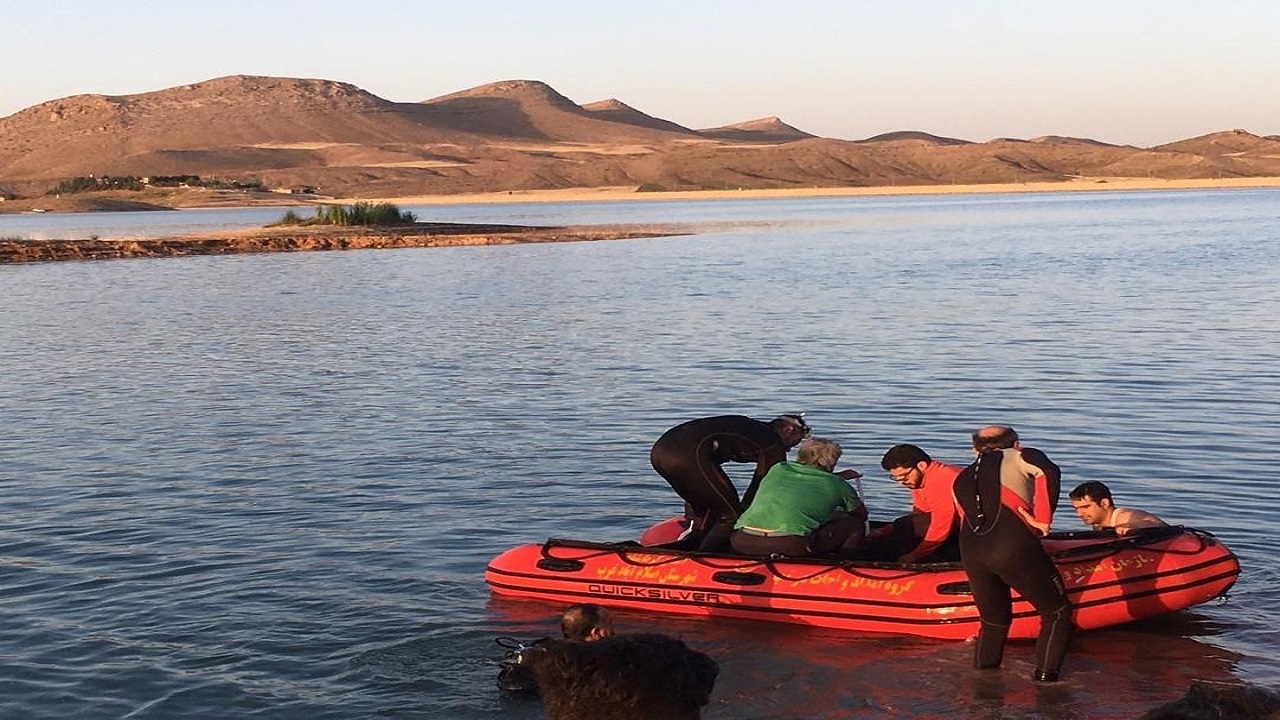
(928, 532)
(1047, 485)
(585, 622)
(1004, 511)
(803, 508)
(689, 456)
(1093, 503)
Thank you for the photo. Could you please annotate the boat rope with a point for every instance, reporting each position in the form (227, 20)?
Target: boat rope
(796, 570)
(802, 569)
(1138, 539)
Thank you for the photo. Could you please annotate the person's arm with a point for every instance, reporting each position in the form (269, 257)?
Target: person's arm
(935, 499)
(770, 455)
(1037, 526)
(1047, 483)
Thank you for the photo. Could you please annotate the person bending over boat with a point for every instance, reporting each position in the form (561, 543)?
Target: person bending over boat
(1095, 506)
(803, 508)
(689, 456)
(928, 532)
(1003, 514)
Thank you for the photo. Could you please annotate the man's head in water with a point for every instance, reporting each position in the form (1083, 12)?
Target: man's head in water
(586, 622)
(791, 428)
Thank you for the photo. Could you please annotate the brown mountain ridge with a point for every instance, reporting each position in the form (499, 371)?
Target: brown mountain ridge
(524, 135)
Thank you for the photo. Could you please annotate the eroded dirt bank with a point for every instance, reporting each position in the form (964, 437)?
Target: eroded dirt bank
(315, 239)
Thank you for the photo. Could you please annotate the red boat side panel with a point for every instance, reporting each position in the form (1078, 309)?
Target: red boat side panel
(1110, 581)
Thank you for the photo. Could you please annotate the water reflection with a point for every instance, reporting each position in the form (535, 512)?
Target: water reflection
(771, 672)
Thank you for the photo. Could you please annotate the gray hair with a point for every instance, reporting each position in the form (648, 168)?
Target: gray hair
(819, 453)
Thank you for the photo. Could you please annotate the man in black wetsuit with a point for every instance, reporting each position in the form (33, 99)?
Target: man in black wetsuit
(1005, 505)
(689, 457)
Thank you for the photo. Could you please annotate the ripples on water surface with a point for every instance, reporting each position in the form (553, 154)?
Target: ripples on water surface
(267, 486)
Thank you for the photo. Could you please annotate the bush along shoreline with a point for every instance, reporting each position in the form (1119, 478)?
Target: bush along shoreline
(361, 214)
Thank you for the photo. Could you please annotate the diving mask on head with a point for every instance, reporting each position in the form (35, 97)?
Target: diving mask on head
(797, 419)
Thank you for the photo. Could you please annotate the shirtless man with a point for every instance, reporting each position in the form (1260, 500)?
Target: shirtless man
(1093, 503)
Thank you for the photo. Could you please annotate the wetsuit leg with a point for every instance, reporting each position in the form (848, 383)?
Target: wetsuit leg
(716, 537)
(1041, 585)
(696, 476)
(1016, 558)
(995, 604)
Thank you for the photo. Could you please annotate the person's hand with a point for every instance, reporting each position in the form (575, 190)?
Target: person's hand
(1042, 528)
(849, 474)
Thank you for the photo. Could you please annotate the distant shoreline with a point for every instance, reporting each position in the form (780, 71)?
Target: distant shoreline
(299, 239)
(629, 193)
(117, 201)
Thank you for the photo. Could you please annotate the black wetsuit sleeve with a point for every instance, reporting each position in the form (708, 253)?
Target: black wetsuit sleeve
(1052, 474)
(769, 457)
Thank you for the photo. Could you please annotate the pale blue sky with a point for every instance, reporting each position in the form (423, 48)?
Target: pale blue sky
(1142, 72)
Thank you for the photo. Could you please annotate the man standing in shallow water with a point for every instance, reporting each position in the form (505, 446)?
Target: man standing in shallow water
(1004, 501)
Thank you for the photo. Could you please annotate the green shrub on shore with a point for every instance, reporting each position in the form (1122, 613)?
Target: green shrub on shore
(362, 214)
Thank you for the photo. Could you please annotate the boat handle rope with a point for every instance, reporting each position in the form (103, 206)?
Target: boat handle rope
(624, 553)
(824, 569)
(770, 564)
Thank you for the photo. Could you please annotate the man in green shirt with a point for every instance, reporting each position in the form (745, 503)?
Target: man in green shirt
(803, 508)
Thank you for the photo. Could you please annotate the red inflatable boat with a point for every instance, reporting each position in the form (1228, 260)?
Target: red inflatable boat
(1109, 579)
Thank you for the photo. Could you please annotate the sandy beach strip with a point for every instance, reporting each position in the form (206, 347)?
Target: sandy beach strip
(628, 193)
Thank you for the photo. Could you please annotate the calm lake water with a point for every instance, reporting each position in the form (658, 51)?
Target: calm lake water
(266, 486)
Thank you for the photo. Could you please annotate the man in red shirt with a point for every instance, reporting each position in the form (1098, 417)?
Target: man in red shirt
(928, 532)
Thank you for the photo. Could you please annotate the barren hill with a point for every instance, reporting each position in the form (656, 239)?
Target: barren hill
(770, 129)
(531, 110)
(521, 135)
(915, 135)
(619, 112)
